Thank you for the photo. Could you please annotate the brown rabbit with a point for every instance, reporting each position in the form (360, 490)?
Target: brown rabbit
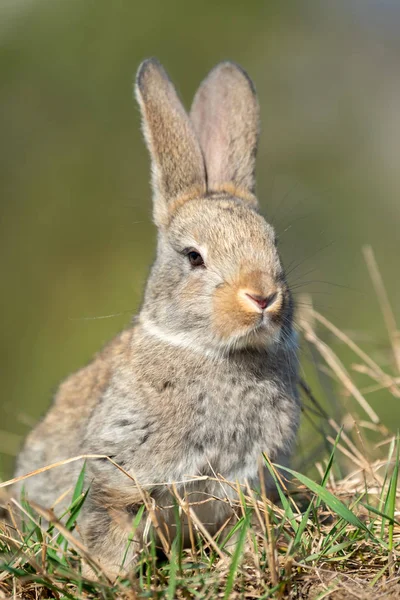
(205, 379)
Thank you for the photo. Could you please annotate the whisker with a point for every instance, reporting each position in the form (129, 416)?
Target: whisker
(99, 317)
(313, 255)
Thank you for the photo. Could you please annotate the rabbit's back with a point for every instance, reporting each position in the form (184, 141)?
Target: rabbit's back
(59, 435)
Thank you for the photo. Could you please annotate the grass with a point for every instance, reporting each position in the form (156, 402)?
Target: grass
(334, 535)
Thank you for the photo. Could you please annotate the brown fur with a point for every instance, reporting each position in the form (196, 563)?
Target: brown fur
(236, 192)
(178, 167)
(233, 313)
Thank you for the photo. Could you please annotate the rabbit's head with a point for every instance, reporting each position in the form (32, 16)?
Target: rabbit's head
(217, 283)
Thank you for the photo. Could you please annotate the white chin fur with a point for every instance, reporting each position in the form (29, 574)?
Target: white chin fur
(179, 340)
(256, 339)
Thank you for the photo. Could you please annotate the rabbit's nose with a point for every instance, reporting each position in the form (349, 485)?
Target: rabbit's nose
(263, 302)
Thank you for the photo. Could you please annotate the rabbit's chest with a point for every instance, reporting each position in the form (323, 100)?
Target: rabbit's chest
(233, 424)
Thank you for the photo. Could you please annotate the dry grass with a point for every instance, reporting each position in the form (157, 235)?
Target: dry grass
(334, 536)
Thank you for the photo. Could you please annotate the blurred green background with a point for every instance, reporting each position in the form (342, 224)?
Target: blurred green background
(76, 236)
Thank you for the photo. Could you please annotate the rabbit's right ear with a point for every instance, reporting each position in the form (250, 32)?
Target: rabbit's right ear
(178, 171)
(225, 115)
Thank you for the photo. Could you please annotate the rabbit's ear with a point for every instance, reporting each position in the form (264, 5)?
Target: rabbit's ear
(178, 171)
(225, 115)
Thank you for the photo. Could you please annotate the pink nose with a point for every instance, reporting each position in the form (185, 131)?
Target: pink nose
(263, 302)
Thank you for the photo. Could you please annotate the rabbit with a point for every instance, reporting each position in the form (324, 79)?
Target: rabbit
(205, 379)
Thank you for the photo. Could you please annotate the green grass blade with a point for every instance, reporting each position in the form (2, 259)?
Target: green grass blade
(74, 513)
(79, 484)
(289, 514)
(76, 510)
(391, 498)
(331, 550)
(235, 559)
(135, 525)
(173, 567)
(382, 500)
(238, 525)
(329, 465)
(302, 526)
(380, 513)
(329, 499)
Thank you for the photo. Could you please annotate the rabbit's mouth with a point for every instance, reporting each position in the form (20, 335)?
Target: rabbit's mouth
(251, 315)
(258, 330)
(264, 334)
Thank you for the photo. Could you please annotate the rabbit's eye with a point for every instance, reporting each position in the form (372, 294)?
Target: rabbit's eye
(195, 259)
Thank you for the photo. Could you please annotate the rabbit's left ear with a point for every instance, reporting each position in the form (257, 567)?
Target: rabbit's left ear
(225, 115)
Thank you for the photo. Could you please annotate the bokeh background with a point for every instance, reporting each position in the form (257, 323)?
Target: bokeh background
(76, 238)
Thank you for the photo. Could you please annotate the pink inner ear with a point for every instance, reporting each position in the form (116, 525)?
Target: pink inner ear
(216, 144)
(212, 130)
(225, 117)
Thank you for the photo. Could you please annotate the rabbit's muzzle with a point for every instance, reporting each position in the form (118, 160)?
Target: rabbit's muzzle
(253, 303)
